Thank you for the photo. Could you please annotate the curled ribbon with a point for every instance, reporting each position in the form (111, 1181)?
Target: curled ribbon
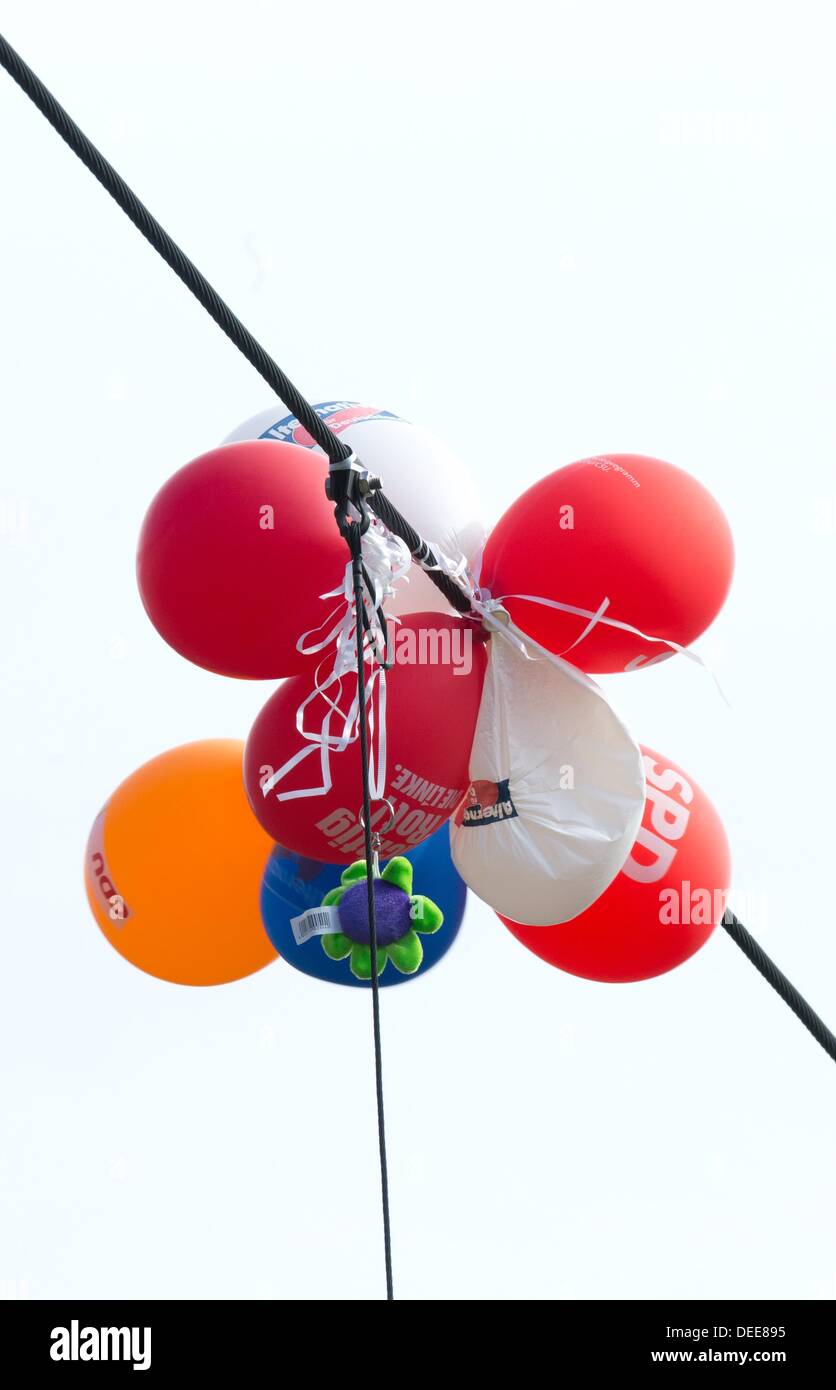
(496, 618)
(386, 561)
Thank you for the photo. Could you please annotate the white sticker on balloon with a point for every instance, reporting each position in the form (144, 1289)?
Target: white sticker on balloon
(317, 921)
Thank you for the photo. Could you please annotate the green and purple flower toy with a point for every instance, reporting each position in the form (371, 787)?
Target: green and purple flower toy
(400, 915)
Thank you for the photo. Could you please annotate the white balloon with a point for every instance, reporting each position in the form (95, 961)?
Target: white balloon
(556, 795)
(424, 479)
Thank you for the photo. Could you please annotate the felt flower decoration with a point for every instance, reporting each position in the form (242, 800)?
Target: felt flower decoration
(400, 915)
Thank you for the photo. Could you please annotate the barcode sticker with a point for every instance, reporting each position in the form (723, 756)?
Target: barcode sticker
(317, 921)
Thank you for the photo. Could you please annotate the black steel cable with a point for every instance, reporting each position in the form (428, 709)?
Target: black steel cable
(185, 269)
(779, 982)
(418, 549)
(359, 608)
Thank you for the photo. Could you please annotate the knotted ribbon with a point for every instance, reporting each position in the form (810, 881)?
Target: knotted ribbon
(496, 618)
(386, 561)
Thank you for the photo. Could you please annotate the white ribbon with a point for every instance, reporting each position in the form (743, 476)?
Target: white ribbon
(489, 608)
(386, 560)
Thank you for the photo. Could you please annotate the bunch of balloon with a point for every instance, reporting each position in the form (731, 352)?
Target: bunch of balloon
(612, 562)
(237, 552)
(174, 865)
(667, 899)
(293, 885)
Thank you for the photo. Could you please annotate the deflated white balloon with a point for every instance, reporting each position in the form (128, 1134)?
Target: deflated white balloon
(424, 479)
(556, 795)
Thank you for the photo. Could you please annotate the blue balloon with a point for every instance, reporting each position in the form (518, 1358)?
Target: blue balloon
(292, 884)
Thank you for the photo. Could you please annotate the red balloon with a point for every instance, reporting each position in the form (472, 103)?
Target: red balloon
(432, 700)
(665, 902)
(634, 530)
(234, 552)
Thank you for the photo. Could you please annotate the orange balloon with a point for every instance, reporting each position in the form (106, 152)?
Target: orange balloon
(174, 864)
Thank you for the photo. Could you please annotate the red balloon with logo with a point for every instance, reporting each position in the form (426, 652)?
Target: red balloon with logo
(234, 552)
(636, 531)
(666, 900)
(432, 700)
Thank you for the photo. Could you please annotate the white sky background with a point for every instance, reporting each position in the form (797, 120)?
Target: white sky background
(612, 227)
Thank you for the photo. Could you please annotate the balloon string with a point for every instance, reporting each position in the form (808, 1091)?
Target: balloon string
(485, 606)
(385, 561)
(354, 541)
(600, 616)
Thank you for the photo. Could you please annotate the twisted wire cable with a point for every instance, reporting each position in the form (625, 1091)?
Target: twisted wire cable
(206, 295)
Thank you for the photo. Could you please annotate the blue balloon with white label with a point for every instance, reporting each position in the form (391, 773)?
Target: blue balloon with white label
(292, 885)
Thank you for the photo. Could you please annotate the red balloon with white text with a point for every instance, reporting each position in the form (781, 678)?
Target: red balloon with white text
(432, 700)
(665, 902)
